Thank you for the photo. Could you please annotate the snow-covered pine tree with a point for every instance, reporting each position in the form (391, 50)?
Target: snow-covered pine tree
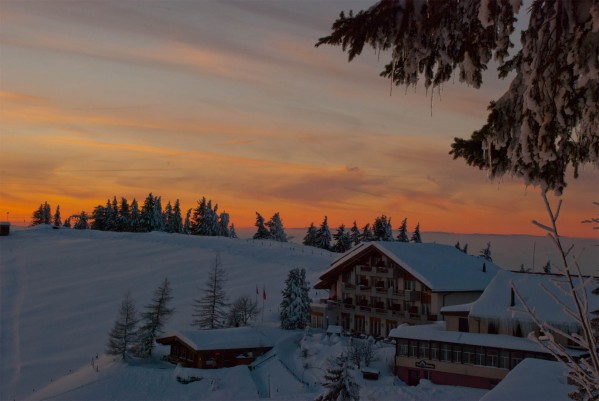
(457, 246)
(323, 235)
(146, 221)
(67, 223)
(310, 238)
(382, 230)
(47, 213)
(213, 220)
(367, 235)
(223, 225)
(342, 240)
(295, 306)
(177, 224)
(167, 217)
(56, 220)
(232, 232)
(82, 222)
(122, 339)
(339, 384)
(99, 218)
(124, 215)
(37, 216)
(485, 253)
(210, 310)
(547, 120)
(547, 267)
(261, 231)
(276, 229)
(135, 224)
(187, 224)
(416, 237)
(465, 249)
(158, 217)
(153, 319)
(110, 220)
(355, 234)
(198, 214)
(403, 231)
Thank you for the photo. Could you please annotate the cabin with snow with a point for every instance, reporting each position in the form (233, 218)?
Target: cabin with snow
(378, 285)
(479, 343)
(218, 348)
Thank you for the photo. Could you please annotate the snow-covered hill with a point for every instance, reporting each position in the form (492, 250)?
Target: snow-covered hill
(60, 291)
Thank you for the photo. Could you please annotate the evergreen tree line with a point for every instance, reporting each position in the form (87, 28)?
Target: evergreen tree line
(272, 229)
(344, 239)
(129, 217)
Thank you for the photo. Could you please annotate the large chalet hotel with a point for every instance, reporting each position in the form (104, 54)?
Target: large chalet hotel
(378, 285)
(455, 318)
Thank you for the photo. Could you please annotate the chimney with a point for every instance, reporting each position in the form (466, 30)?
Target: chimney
(512, 296)
(484, 267)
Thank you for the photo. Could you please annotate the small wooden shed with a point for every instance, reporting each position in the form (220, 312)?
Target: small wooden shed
(218, 348)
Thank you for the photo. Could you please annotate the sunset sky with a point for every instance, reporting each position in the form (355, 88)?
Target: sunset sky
(232, 101)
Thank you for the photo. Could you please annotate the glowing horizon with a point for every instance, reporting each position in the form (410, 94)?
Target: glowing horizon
(231, 101)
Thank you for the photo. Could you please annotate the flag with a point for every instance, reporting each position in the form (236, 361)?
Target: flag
(264, 294)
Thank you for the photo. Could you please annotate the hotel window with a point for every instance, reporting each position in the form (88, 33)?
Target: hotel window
(516, 358)
(435, 350)
(504, 359)
(469, 354)
(445, 353)
(409, 285)
(457, 353)
(493, 358)
(414, 348)
(403, 347)
(426, 309)
(480, 356)
(424, 350)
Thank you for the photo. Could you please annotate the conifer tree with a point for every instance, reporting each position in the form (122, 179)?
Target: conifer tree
(177, 224)
(110, 221)
(155, 316)
(261, 232)
(135, 224)
(457, 246)
(57, 221)
(465, 249)
(168, 218)
(382, 230)
(276, 229)
(47, 213)
(124, 216)
(187, 225)
(158, 217)
(82, 223)
(146, 222)
(342, 240)
(340, 385)
(403, 231)
(37, 217)
(210, 310)
(323, 235)
(232, 232)
(485, 253)
(67, 223)
(355, 234)
(99, 218)
(367, 235)
(223, 225)
(416, 235)
(122, 339)
(295, 306)
(310, 238)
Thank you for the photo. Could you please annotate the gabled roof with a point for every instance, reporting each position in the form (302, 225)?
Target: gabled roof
(539, 292)
(220, 339)
(442, 268)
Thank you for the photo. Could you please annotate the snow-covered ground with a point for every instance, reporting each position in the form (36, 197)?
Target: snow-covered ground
(60, 291)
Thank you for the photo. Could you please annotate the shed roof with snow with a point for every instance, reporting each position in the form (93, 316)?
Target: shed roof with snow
(442, 268)
(221, 339)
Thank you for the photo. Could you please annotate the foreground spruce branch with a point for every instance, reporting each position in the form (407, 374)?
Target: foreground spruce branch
(549, 117)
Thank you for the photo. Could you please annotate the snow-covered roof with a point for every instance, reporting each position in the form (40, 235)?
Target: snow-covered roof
(522, 383)
(494, 303)
(440, 267)
(437, 332)
(465, 308)
(231, 338)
